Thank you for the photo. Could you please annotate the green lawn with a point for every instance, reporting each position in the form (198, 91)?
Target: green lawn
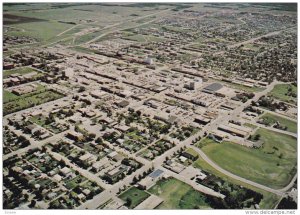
(21, 71)
(271, 119)
(280, 92)
(272, 165)
(8, 96)
(136, 195)
(269, 200)
(178, 195)
(192, 152)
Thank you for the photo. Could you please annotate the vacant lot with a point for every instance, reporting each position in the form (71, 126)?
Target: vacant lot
(178, 195)
(272, 165)
(272, 119)
(284, 93)
(134, 197)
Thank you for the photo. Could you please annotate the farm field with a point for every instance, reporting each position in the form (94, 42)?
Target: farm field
(275, 160)
(178, 195)
(272, 119)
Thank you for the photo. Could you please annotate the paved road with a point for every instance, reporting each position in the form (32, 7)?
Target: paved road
(290, 185)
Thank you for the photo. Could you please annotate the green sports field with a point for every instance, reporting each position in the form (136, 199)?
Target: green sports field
(272, 165)
(135, 195)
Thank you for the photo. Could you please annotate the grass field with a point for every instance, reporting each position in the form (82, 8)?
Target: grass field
(87, 37)
(272, 165)
(41, 30)
(280, 92)
(26, 101)
(21, 71)
(269, 200)
(178, 195)
(271, 119)
(137, 196)
(8, 96)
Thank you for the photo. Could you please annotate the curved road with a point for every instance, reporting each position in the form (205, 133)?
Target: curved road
(214, 165)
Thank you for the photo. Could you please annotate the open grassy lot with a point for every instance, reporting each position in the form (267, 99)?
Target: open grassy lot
(84, 50)
(250, 125)
(272, 165)
(8, 96)
(21, 71)
(40, 30)
(178, 195)
(26, 101)
(137, 196)
(271, 119)
(281, 92)
(87, 37)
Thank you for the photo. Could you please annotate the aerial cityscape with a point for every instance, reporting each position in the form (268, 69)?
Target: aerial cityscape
(149, 106)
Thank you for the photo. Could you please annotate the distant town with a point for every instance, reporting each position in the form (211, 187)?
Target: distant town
(149, 106)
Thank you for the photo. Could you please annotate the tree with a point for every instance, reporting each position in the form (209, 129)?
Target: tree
(81, 89)
(92, 136)
(128, 202)
(257, 137)
(134, 180)
(32, 203)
